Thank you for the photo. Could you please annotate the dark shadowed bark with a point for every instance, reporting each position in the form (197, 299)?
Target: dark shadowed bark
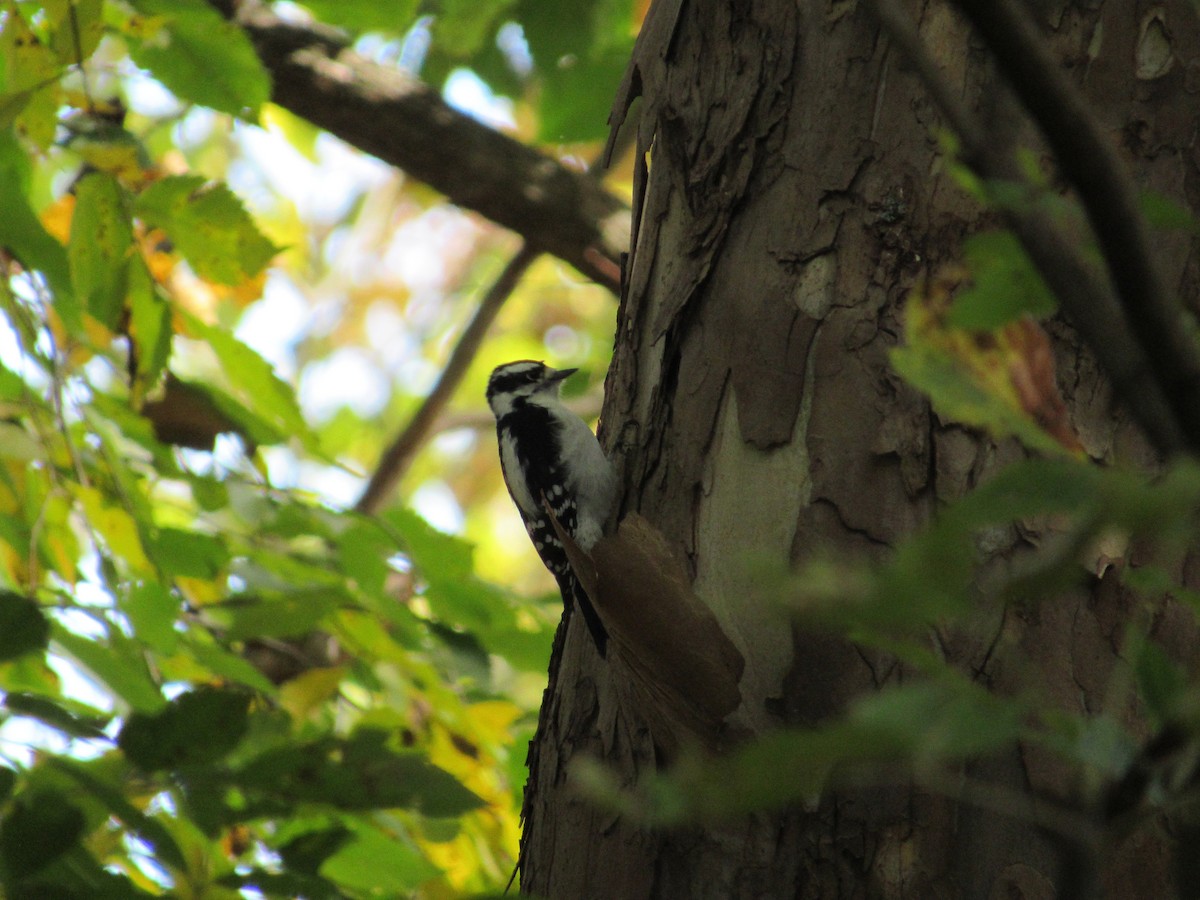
(796, 192)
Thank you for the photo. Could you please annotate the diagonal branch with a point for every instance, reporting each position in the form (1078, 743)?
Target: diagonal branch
(389, 114)
(1086, 296)
(399, 454)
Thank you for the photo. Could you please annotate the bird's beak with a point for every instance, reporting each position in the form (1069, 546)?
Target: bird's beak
(557, 375)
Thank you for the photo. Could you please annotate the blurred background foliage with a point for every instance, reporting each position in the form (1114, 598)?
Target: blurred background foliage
(218, 677)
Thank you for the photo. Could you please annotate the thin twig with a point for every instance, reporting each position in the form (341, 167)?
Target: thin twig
(1091, 164)
(399, 454)
(1085, 294)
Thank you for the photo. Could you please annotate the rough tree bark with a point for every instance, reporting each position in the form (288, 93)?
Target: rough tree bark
(796, 193)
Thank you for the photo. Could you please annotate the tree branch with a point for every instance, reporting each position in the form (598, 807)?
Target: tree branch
(398, 455)
(1086, 296)
(389, 114)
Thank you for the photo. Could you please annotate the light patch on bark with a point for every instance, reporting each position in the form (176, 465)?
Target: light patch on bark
(814, 294)
(739, 525)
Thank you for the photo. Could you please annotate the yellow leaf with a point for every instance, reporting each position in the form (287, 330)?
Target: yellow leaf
(98, 334)
(117, 527)
(12, 564)
(308, 691)
(492, 719)
(199, 591)
(57, 217)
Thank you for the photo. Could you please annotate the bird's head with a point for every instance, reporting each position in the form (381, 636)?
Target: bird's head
(524, 379)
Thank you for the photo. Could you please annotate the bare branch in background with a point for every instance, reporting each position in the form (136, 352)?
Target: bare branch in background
(1086, 295)
(395, 117)
(400, 452)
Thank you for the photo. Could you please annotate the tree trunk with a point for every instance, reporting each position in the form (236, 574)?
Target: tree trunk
(797, 191)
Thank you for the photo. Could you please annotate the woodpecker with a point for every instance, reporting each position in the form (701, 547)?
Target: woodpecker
(551, 459)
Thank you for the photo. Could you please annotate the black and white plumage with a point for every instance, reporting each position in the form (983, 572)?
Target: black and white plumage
(549, 455)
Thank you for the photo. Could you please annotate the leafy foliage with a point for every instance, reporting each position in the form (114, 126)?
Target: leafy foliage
(231, 683)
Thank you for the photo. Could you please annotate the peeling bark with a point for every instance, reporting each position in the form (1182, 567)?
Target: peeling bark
(796, 192)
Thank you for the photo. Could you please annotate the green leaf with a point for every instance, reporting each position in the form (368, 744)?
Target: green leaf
(152, 611)
(254, 383)
(197, 727)
(463, 26)
(77, 35)
(149, 328)
(21, 231)
(307, 851)
(1005, 285)
(289, 616)
(1163, 212)
(576, 101)
(285, 884)
(896, 734)
(40, 827)
(148, 829)
(117, 663)
(23, 627)
(366, 15)
(203, 57)
(208, 226)
(1161, 681)
(358, 773)
(31, 74)
(189, 553)
(100, 246)
(960, 399)
(377, 863)
(219, 661)
(83, 724)
(580, 28)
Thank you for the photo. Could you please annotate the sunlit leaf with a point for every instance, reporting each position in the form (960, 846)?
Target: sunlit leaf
(149, 328)
(219, 661)
(22, 233)
(202, 56)
(189, 553)
(101, 244)
(118, 527)
(123, 671)
(79, 28)
(152, 610)
(373, 861)
(365, 15)
(256, 386)
(209, 227)
(31, 72)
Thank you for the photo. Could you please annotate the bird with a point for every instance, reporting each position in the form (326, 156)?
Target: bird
(552, 462)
